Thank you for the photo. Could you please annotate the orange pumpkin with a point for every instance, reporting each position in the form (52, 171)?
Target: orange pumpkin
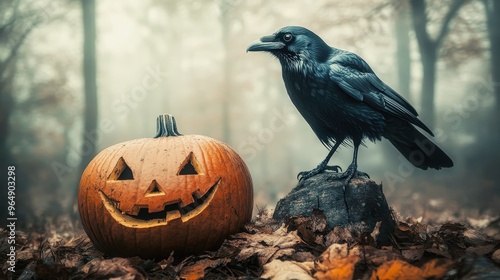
(149, 197)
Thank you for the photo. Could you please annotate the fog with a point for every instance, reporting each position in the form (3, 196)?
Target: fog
(188, 59)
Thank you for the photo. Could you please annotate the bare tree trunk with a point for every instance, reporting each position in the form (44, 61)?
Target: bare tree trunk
(403, 59)
(429, 50)
(90, 84)
(429, 61)
(10, 23)
(492, 8)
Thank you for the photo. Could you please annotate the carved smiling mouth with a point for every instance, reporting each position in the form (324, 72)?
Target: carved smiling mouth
(172, 211)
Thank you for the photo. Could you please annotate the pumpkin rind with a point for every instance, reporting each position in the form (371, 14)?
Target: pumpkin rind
(222, 202)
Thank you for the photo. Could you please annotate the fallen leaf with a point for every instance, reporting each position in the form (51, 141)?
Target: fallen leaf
(318, 221)
(396, 270)
(436, 268)
(399, 269)
(339, 269)
(166, 262)
(281, 270)
(480, 250)
(303, 257)
(336, 251)
(373, 256)
(481, 223)
(336, 263)
(496, 256)
(197, 270)
(53, 271)
(339, 235)
(474, 237)
(413, 254)
(27, 254)
(115, 267)
(268, 247)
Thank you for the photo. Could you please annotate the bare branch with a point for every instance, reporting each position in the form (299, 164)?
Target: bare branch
(419, 15)
(454, 8)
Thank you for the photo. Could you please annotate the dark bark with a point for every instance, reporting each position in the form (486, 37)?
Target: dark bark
(90, 84)
(403, 59)
(12, 37)
(492, 8)
(429, 50)
(429, 61)
(360, 206)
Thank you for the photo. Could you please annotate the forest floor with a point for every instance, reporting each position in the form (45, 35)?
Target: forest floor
(438, 242)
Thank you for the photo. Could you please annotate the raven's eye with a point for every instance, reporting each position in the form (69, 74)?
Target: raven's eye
(287, 37)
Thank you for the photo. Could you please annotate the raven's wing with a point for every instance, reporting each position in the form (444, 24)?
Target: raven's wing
(355, 77)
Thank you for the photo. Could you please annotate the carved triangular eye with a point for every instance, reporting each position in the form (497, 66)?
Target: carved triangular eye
(121, 171)
(154, 189)
(190, 166)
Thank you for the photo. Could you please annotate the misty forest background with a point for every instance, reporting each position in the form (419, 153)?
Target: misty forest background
(79, 76)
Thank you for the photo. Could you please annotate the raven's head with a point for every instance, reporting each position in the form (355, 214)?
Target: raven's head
(292, 43)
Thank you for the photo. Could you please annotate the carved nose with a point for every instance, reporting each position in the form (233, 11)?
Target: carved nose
(154, 190)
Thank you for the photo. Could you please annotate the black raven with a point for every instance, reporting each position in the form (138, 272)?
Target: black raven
(342, 99)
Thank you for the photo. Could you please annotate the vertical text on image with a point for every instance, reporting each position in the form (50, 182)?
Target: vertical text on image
(11, 218)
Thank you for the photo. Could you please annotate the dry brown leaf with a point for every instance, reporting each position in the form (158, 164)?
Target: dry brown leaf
(496, 256)
(303, 257)
(480, 250)
(374, 256)
(72, 260)
(115, 267)
(481, 223)
(340, 269)
(338, 235)
(413, 254)
(441, 250)
(399, 269)
(474, 237)
(336, 263)
(27, 254)
(282, 270)
(197, 270)
(396, 270)
(268, 247)
(336, 251)
(166, 262)
(436, 268)
(318, 221)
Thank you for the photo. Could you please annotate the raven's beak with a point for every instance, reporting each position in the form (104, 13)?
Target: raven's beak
(266, 43)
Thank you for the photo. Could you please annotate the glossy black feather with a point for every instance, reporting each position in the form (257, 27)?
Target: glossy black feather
(342, 99)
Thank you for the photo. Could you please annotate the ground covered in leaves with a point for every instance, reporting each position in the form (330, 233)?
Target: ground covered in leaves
(302, 248)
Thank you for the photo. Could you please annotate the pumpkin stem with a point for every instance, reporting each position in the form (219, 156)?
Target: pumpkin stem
(166, 126)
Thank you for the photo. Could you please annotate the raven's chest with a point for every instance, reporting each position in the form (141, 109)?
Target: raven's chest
(327, 108)
(309, 85)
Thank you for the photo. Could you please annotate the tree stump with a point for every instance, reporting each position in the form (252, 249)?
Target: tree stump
(361, 206)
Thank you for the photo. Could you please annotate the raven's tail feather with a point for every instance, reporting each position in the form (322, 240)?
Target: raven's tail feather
(421, 151)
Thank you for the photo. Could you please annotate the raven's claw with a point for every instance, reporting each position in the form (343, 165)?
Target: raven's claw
(351, 172)
(335, 168)
(319, 169)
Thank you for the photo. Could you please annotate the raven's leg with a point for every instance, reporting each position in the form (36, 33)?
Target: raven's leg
(322, 166)
(352, 169)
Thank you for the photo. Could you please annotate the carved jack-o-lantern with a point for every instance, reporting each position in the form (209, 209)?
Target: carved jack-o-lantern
(149, 197)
